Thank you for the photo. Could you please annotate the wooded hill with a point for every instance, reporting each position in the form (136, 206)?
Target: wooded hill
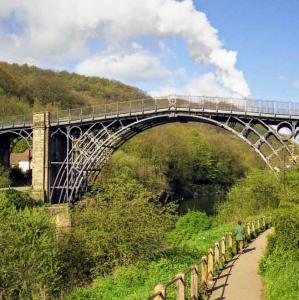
(175, 158)
(26, 88)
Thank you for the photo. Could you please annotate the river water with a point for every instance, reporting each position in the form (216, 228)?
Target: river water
(203, 201)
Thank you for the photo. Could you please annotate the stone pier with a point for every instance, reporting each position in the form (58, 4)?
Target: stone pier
(40, 162)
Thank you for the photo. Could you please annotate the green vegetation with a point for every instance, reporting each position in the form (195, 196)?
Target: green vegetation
(259, 192)
(24, 89)
(127, 235)
(181, 161)
(121, 225)
(280, 266)
(4, 178)
(29, 253)
(137, 281)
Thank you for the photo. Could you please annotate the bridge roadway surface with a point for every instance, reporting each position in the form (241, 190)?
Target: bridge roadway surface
(240, 279)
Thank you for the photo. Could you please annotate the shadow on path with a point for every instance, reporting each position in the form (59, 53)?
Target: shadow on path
(239, 280)
(218, 283)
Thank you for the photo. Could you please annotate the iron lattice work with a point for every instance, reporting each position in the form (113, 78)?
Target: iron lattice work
(11, 136)
(82, 140)
(91, 138)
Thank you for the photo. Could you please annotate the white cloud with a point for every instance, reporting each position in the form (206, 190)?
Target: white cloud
(138, 66)
(207, 85)
(60, 31)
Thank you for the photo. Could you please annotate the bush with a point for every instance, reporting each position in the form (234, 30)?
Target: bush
(20, 200)
(4, 178)
(257, 193)
(291, 189)
(122, 224)
(280, 265)
(29, 253)
(138, 280)
(190, 224)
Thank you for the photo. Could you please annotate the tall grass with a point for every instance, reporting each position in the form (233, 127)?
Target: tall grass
(280, 266)
(138, 281)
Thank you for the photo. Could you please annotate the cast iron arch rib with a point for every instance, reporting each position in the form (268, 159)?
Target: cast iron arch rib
(96, 145)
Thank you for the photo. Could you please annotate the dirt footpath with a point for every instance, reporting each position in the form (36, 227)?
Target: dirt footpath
(240, 279)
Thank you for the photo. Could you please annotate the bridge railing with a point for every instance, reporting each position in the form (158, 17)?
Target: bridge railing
(176, 102)
(160, 103)
(15, 121)
(200, 276)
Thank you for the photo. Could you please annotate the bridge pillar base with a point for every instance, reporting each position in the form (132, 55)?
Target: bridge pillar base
(60, 214)
(38, 195)
(61, 217)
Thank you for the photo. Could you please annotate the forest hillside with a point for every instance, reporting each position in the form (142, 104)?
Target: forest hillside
(25, 88)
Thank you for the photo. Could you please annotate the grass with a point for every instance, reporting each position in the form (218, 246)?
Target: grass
(281, 278)
(280, 265)
(138, 281)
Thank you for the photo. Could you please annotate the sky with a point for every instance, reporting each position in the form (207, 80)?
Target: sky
(247, 49)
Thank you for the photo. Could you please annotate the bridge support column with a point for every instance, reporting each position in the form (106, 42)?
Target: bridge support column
(5, 151)
(40, 159)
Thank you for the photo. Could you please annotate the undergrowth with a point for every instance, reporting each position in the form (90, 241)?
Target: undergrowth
(191, 239)
(280, 265)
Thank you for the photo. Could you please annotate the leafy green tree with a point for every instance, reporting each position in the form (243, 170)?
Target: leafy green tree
(258, 192)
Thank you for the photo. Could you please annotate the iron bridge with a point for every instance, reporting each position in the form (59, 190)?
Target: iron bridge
(77, 143)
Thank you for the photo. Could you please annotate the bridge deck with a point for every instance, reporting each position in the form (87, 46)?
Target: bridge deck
(281, 111)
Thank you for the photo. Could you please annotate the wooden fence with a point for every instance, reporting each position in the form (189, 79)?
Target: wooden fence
(200, 276)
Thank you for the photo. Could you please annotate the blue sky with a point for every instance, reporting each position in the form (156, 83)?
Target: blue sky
(266, 36)
(162, 46)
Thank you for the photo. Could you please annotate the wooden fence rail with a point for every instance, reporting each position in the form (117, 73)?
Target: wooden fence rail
(201, 275)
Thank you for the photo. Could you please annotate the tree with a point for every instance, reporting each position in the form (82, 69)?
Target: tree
(258, 192)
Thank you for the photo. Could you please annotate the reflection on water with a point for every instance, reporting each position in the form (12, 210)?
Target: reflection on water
(204, 201)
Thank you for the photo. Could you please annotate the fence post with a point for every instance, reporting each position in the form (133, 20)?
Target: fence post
(230, 244)
(194, 282)
(264, 223)
(223, 250)
(258, 225)
(180, 286)
(216, 255)
(248, 231)
(210, 264)
(160, 288)
(253, 229)
(204, 271)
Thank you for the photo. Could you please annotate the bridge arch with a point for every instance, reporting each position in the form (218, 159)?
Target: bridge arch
(95, 144)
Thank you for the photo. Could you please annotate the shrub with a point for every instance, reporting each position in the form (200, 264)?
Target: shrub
(4, 178)
(20, 200)
(122, 224)
(29, 252)
(190, 224)
(258, 192)
(280, 265)
(291, 189)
